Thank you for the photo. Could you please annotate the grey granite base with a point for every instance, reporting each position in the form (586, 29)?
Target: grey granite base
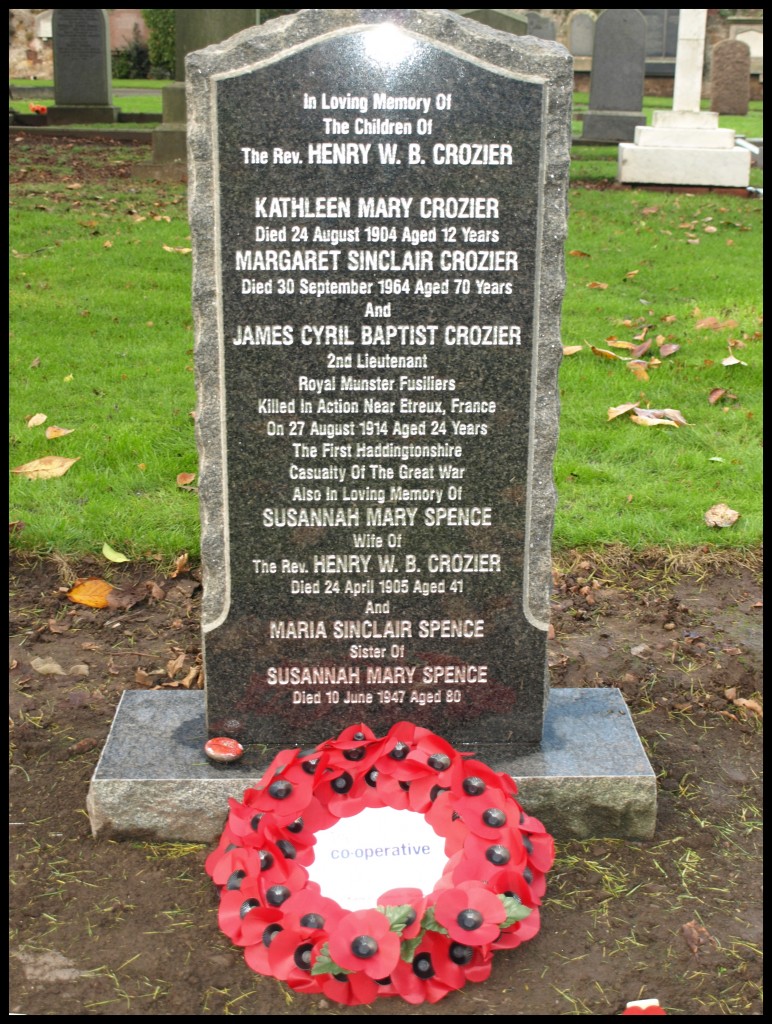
(93, 114)
(611, 125)
(591, 777)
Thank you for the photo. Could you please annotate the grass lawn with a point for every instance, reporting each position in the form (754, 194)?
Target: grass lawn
(101, 344)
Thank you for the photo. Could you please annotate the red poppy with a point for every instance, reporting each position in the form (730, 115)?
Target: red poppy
(292, 953)
(420, 981)
(363, 941)
(652, 1011)
(470, 913)
(349, 989)
(413, 898)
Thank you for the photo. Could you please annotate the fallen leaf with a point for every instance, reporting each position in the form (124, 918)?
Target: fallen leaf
(730, 693)
(721, 515)
(173, 667)
(751, 705)
(68, 378)
(710, 230)
(597, 284)
(715, 458)
(35, 363)
(627, 345)
(718, 393)
(649, 209)
(632, 273)
(47, 667)
(637, 367)
(154, 591)
(185, 478)
(620, 410)
(37, 420)
(47, 468)
(732, 361)
(53, 432)
(641, 349)
(78, 670)
(91, 592)
(710, 322)
(175, 248)
(670, 414)
(668, 350)
(603, 353)
(108, 244)
(75, 185)
(16, 526)
(141, 678)
(113, 555)
(697, 936)
(578, 252)
(180, 565)
(571, 350)
(82, 746)
(653, 421)
(122, 600)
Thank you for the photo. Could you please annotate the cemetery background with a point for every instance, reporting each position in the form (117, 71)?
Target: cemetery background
(129, 928)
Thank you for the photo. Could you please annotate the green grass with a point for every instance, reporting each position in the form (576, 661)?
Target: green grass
(111, 328)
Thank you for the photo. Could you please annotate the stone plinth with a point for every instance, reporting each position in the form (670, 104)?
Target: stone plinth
(590, 779)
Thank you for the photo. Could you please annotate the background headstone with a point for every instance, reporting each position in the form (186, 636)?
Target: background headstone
(541, 27)
(83, 87)
(581, 33)
(501, 19)
(730, 79)
(616, 83)
(685, 146)
(376, 489)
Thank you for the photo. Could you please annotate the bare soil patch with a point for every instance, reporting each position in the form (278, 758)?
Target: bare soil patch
(130, 928)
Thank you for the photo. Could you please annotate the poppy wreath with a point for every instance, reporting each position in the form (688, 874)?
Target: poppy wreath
(417, 946)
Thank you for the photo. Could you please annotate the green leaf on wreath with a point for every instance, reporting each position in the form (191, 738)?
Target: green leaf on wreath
(399, 917)
(324, 964)
(516, 911)
(430, 923)
(409, 946)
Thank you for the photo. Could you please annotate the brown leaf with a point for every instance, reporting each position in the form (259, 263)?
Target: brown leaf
(578, 252)
(571, 350)
(35, 363)
(632, 273)
(715, 394)
(668, 350)
(732, 361)
(638, 368)
(37, 420)
(721, 515)
(180, 565)
(154, 591)
(175, 248)
(52, 432)
(141, 678)
(16, 526)
(670, 414)
(597, 284)
(603, 353)
(191, 678)
(82, 746)
(710, 322)
(640, 350)
(697, 936)
(649, 209)
(91, 592)
(653, 421)
(46, 468)
(173, 667)
(185, 478)
(731, 693)
(122, 600)
(620, 410)
(751, 705)
(47, 667)
(627, 345)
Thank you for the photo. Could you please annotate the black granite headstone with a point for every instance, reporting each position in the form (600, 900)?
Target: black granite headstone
(378, 213)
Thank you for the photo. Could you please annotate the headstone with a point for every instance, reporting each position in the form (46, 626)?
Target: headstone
(616, 83)
(194, 29)
(541, 27)
(685, 146)
(730, 79)
(501, 19)
(581, 33)
(377, 499)
(377, 206)
(83, 87)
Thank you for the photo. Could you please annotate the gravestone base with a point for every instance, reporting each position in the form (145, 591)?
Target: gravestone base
(91, 114)
(684, 148)
(611, 125)
(590, 779)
